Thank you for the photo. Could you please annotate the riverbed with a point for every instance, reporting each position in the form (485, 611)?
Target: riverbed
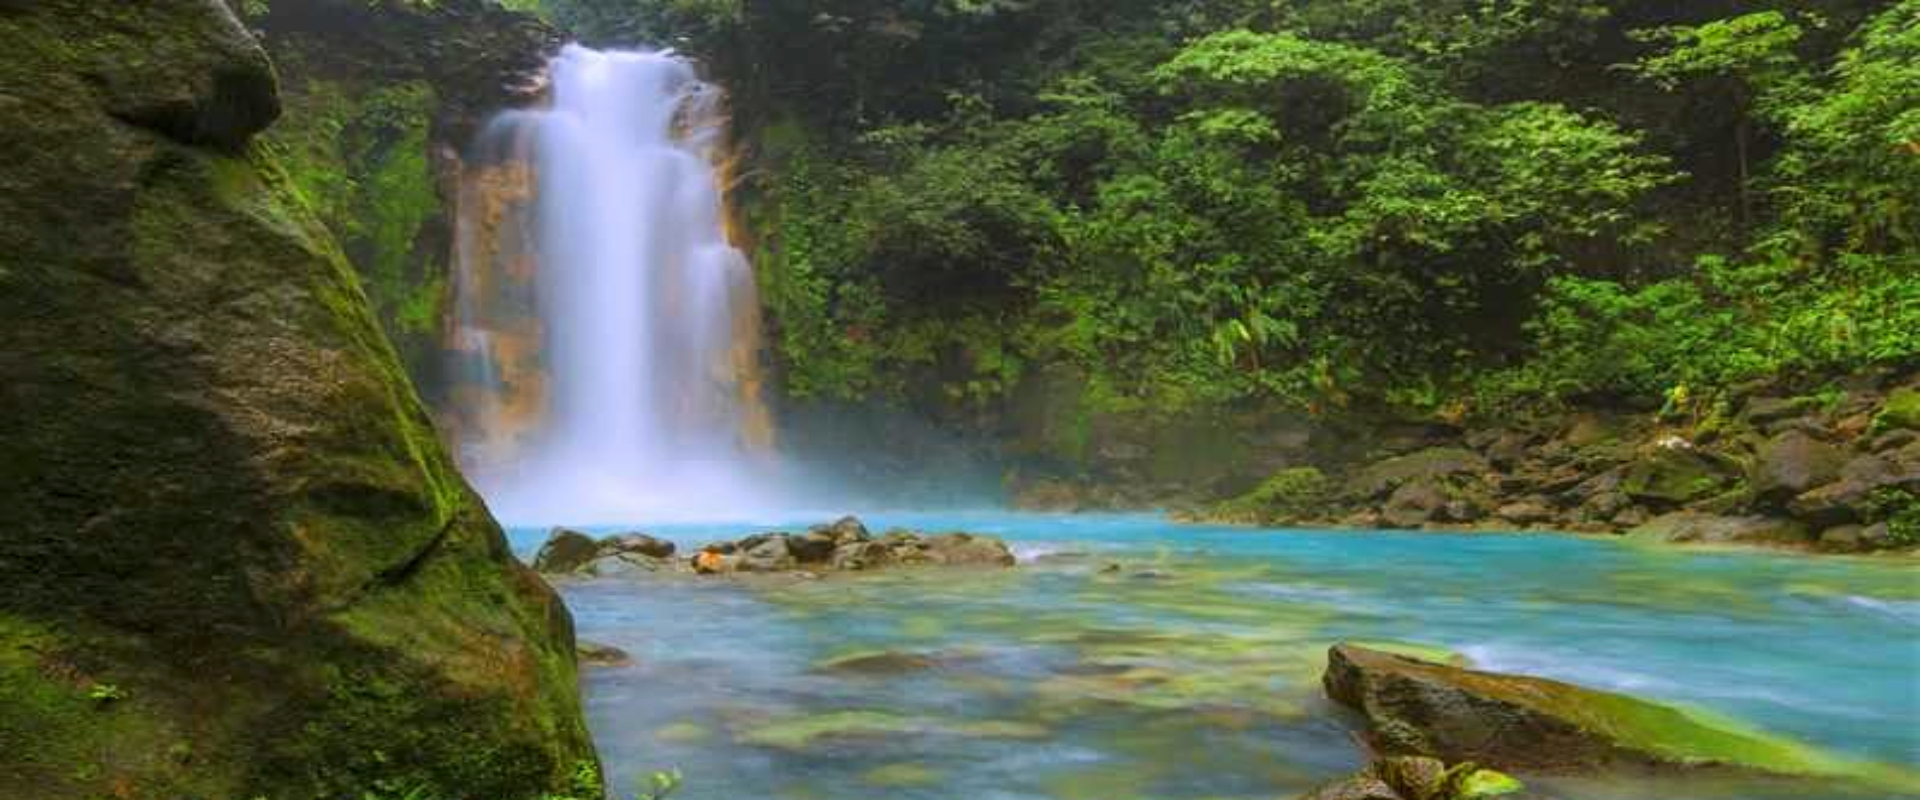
(1131, 657)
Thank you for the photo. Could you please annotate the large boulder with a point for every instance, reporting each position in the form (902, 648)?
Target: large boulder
(1850, 498)
(1674, 472)
(1517, 722)
(225, 504)
(1693, 527)
(1793, 463)
(1431, 464)
(565, 551)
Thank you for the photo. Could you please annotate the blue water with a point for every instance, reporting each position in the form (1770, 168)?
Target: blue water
(1192, 670)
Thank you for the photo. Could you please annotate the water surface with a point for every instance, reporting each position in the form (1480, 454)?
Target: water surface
(1192, 670)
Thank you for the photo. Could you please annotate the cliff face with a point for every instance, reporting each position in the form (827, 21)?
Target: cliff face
(383, 100)
(235, 561)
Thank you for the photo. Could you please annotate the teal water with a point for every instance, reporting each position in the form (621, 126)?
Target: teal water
(1192, 672)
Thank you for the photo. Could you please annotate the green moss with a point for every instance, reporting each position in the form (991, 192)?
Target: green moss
(1902, 410)
(1291, 495)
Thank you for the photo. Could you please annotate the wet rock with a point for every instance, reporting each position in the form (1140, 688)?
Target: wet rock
(843, 530)
(639, 543)
(627, 565)
(1518, 722)
(595, 654)
(816, 547)
(767, 554)
(565, 550)
(883, 663)
(968, 550)
(1417, 778)
(715, 562)
(1703, 528)
(861, 556)
(1792, 464)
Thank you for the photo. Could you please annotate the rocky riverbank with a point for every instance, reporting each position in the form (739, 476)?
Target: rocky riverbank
(842, 546)
(1831, 471)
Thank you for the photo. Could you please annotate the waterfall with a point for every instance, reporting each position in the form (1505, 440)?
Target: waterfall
(604, 326)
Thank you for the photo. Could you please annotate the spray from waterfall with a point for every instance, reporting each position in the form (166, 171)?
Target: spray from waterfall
(604, 325)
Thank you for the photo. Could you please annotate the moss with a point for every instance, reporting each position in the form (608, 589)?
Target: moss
(1291, 495)
(1902, 410)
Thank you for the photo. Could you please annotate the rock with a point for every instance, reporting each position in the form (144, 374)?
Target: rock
(816, 547)
(1765, 410)
(565, 551)
(1849, 498)
(967, 550)
(844, 530)
(1381, 478)
(639, 543)
(1049, 495)
(1894, 440)
(1675, 472)
(1589, 430)
(1844, 539)
(1901, 410)
(1509, 450)
(627, 566)
(1413, 505)
(1417, 778)
(768, 554)
(1530, 511)
(1517, 722)
(1877, 536)
(223, 493)
(1791, 464)
(1702, 528)
(860, 556)
(594, 654)
(882, 663)
(715, 562)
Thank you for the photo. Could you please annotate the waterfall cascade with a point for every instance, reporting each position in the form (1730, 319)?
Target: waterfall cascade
(605, 329)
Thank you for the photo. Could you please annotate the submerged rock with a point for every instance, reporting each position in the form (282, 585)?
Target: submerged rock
(595, 654)
(1518, 722)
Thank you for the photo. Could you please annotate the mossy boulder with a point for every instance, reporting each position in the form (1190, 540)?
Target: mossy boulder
(1517, 722)
(226, 503)
(1432, 464)
(1674, 472)
(1295, 494)
(1901, 411)
(1693, 527)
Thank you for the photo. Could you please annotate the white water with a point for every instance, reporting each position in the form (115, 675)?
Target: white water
(639, 298)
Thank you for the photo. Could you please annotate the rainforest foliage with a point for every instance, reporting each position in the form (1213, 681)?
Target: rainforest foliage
(1434, 204)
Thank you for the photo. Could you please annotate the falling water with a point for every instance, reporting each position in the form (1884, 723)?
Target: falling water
(604, 323)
